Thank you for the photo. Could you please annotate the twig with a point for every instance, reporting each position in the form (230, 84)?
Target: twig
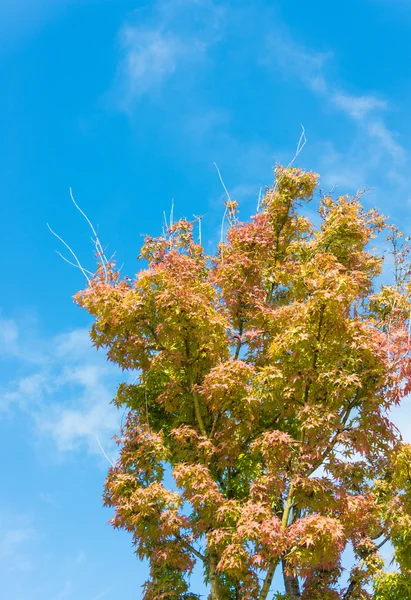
(172, 212)
(96, 241)
(222, 225)
(73, 264)
(222, 182)
(70, 250)
(145, 395)
(199, 219)
(191, 548)
(259, 200)
(104, 454)
(226, 207)
(301, 143)
(385, 540)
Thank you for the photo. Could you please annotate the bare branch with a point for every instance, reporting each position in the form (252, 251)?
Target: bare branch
(384, 541)
(104, 454)
(73, 264)
(71, 252)
(222, 225)
(259, 200)
(194, 551)
(226, 207)
(165, 220)
(96, 241)
(301, 143)
(172, 213)
(222, 182)
(199, 218)
(191, 548)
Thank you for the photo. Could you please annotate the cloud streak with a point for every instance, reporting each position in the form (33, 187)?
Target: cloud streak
(16, 535)
(66, 393)
(154, 45)
(374, 142)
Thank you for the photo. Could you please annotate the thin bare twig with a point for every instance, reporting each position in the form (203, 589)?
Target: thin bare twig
(222, 225)
(73, 264)
(199, 218)
(104, 454)
(172, 213)
(96, 241)
(226, 207)
(165, 220)
(301, 143)
(71, 252)
(259, 200)
(222, 182)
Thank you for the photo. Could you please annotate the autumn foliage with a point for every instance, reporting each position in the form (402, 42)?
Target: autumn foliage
(257, 433)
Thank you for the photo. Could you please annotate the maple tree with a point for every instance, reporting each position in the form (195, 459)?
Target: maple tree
(265, 378)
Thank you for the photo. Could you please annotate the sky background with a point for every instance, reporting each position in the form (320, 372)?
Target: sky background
(130, 103)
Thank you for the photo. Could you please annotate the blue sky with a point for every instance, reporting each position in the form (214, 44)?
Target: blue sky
(130, 104)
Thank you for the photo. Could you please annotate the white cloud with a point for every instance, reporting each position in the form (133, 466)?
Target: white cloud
(16, 535)
(386, 139)
(65, 592)
(8, 336)
(295, 59)
(102, 594)
(151, 57)
(153, 49)
(11, 344)
(358, 107)
(66, 393)
(373, 143)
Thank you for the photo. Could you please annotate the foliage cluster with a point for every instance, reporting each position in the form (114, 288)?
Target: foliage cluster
(265, 378)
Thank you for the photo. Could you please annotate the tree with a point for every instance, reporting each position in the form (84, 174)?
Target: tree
(265, 378)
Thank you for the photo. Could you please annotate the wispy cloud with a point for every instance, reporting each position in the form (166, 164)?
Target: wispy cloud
(297, 60)
(102, 594)
(65, 592)
(8, 337)
(154, 45)
(357, 107)
(150, 58)
(16, 535)
(374, 141)
(66, 393)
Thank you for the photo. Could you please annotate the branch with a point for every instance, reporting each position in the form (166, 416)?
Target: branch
(98, 245)
(191, 548)
(239, 342)
(301, 143)
(259, 201)
(354, 578)
(199, 219)
(226, 207)
(104, 454)
(385, 540)
(198, 415)
(73, 264)
(71, 252)
(222, 182)
(284, 522)
(334, 440)
(268, 580)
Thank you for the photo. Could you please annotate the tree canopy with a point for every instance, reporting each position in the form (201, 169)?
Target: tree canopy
(265, 376)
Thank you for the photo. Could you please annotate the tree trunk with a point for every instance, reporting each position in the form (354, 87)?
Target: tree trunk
(214, 584)
(291, 583)
(268, 581)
